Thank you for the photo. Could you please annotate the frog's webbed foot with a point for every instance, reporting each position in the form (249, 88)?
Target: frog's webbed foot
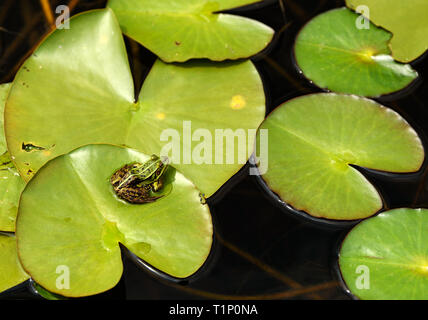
(157, 185)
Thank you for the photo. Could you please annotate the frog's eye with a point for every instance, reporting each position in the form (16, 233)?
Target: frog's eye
(165, 160)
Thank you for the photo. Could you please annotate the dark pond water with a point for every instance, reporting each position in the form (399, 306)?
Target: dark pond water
(261, 250)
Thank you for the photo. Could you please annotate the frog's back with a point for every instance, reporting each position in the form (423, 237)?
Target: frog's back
(146, 169)
(120, 175)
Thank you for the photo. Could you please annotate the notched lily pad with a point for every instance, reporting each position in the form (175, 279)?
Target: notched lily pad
(186, 29)
(406, 20)
(313, 142)
(386, 257)
(55, 114)
(11, 184)
(70, 224)
(336, 55)
(11, 272)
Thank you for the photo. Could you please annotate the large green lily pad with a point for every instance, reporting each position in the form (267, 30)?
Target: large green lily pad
(186, 29)
(11, 184)
(313, 142)
(336, 55)
(55, 107)
(386, 257)
(70, 223)
(407, 20)
(11, 272)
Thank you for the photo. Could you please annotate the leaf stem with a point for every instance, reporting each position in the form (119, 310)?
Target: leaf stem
(48, 13)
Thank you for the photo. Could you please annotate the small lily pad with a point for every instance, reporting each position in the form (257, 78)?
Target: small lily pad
(11, 184)
(70, 224)
(315, 140)
(188, 29)
(386, 257)
(406, 20)
(336, 55)
(4, 90)
(11, 272)
(55, 107)
(45, 293)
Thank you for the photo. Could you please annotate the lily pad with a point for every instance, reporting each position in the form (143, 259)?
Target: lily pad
(316, 140)
(386, 257)
(11, 272)
(4, 90)
(188, 29)
(11, 184)
(336, 55)
(42, 292)
(406, 20)
(55, 107)
(70, 224)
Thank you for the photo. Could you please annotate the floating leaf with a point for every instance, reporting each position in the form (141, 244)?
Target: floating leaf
(336, 55)
(11, 184)
(46, 294)
(313, 142)
(4, 90)
(56, 107)
(187, 29)
(386, 257)
(11, 272)
(406, 20)
(70, 223)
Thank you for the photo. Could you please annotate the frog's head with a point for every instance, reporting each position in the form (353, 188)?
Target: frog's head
(151, 170)
(161, 164)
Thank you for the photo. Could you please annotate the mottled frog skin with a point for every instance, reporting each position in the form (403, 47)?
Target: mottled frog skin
(134, 182)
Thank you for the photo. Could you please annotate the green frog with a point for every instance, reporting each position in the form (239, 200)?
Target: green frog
(134, 182)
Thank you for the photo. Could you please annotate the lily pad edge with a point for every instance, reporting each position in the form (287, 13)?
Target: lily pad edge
(325, 221)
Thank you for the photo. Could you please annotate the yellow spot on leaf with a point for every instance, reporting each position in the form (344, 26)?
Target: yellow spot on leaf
(422, 266)
(160, 115)
(237, 102)
(339, 164)
(367, 55)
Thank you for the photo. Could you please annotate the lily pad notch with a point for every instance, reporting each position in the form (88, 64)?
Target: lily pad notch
(336, 55)
(406, 21)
